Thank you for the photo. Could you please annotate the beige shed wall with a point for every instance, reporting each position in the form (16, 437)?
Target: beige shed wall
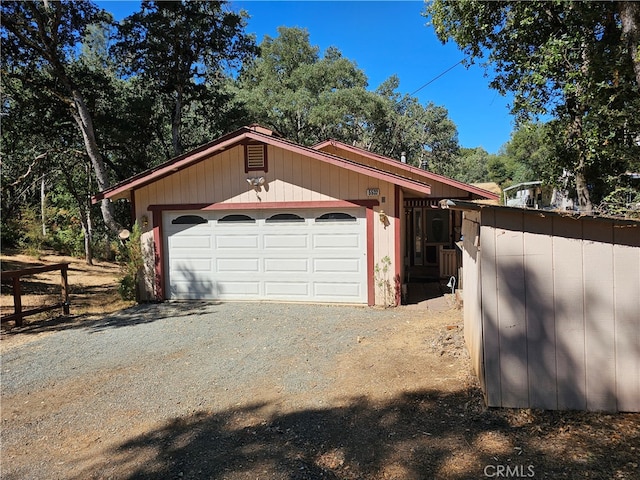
(560, 310)
(471, 285)
(291, 177)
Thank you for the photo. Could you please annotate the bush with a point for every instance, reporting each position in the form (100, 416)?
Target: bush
(32, 240)
(131, 260)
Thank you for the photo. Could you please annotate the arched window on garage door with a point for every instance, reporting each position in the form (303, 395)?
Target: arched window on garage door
(188, 220)
(237, 218)
(336, 217)
(285, 218)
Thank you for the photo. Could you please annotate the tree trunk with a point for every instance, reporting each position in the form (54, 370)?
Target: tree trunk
(176, 121)
(87, 232)
(630, 19)
(82, 117)
(42, 207)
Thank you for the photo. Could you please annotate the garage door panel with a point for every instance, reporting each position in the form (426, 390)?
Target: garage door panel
(336, 265)
(285, 241)
(336, 241)
(286, 265)
(275, 260)
(337, 290)
(285, 290)
(236, 241)
(190, 242)
(191, 265)
(237, 265)
(190, 289)
(236, 289)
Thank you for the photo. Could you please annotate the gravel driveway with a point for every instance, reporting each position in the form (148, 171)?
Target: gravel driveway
(275, 391)
(74, 398)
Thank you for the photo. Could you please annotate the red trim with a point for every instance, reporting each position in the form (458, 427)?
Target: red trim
(132, 206)
(265, 205)
(158, 240)
(265, 165)
(159, 254)
(397, 242)
(245, 134)
(408, 168)
(371, 288)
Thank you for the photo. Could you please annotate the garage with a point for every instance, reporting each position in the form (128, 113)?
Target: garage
(306, 255)
(253, 216)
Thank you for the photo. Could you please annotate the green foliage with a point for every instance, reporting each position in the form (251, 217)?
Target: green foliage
(32, 239)
(471, 165)
(565, 59)
(131, 260)
(308, 98)
(185, 51)
(621, 202)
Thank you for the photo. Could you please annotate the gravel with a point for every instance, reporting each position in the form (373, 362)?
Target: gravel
(226, 343)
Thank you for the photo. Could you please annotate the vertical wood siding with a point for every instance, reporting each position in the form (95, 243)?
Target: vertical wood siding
(560, 303)
(472, 292)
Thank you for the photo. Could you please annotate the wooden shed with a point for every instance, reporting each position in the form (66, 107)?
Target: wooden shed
(552, 308)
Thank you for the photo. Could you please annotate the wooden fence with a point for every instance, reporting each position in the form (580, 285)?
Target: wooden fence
(14, 276)
(552, 308)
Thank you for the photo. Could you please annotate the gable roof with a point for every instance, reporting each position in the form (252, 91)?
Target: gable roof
(259, 134)
(394, 166)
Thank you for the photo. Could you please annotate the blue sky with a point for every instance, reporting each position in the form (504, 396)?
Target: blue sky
(386, 38)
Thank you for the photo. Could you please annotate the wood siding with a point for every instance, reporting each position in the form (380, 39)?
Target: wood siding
(559, 307)
(290, 177)
(438, 189)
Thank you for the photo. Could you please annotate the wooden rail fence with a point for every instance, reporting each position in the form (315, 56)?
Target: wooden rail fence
(14, 276)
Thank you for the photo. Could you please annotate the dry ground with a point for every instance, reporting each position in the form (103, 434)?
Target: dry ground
(401, 404)
(93, 289)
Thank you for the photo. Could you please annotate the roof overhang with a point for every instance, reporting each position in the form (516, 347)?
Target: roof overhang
(414, 171)
(123, 189)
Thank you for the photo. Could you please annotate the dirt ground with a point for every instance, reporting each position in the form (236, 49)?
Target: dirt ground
(92, 288)
(402, 404)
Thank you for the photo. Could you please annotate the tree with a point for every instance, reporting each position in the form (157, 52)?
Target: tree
(471, 165)
(301, 95)
(425, 133)
(630, 20)
(567, 59)
(185, 50)
(309, 98)
(40, 42)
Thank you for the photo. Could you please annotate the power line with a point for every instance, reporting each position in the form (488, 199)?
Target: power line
(437, 77)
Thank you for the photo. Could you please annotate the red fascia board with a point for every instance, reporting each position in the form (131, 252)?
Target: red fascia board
(238, 136)
(172, 166)
(344, 163)
(418, 171)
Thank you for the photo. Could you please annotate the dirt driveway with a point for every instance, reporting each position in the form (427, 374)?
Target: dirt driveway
(277, 391)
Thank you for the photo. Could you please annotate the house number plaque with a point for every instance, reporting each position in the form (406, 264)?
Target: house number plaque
(373, 192)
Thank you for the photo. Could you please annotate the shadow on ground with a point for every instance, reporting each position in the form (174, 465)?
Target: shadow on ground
(420, 435)
(138, 314)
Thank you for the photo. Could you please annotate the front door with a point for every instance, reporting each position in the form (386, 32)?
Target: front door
(429, 228)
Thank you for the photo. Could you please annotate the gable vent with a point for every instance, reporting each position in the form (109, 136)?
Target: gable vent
(255, 157)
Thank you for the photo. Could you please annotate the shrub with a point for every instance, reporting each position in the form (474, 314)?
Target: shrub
(132, 261)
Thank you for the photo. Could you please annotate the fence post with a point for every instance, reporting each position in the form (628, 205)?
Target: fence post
(65, 289)
(17, 301)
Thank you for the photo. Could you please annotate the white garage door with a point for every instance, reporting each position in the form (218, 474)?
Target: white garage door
(295, 255)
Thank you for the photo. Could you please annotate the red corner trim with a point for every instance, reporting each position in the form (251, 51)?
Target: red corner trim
(397, 241)
(371, 293)
(159, 254)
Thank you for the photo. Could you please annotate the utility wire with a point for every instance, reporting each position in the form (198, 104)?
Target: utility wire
(437, 77)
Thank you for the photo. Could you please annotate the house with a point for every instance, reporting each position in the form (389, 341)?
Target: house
(252, 216)
(552, 307)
